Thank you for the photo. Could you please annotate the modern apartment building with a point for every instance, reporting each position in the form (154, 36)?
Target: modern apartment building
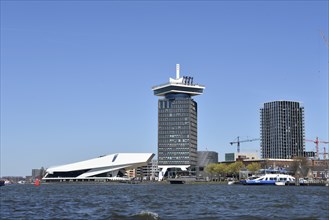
(282, 130)
(177, 123)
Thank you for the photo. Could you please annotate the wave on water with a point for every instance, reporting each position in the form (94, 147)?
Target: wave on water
(143, 215)
(146, 215)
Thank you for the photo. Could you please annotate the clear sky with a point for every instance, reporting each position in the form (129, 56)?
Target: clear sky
(76, 76)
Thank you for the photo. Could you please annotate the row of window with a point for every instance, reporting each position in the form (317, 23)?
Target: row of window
(177, 114)
(170, 153)
(181, 101)
(174, 123)
(176, 110)
(161, 119)
(174, 158)
(176, 162)
(173, 130)
(174, 148)
(165, 145)
(170, 105)
(165, 140)
(174, 136)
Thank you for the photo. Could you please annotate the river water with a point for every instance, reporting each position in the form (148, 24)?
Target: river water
(163, 201)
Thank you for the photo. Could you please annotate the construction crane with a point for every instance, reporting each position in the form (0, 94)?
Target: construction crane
(316, 141)
(238, 141)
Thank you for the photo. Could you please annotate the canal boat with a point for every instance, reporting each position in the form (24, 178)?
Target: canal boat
(270, 179)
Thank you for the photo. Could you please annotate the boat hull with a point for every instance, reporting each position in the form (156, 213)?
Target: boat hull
(252, 182)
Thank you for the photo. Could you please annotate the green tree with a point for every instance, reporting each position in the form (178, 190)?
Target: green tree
(253, 167)
(210, 168)
(220, 169)
(234, 168)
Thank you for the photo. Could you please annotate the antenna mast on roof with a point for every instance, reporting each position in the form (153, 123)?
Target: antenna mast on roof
(177, 71)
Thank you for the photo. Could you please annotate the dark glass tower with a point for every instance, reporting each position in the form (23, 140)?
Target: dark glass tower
(282, 130)
(177, 130)
(177, 123)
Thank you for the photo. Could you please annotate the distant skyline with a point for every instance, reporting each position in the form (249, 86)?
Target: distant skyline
(76, 76)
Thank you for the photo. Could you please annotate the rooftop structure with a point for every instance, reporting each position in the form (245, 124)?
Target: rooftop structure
(180, 85)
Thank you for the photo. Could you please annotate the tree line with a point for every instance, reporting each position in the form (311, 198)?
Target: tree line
(224, 170)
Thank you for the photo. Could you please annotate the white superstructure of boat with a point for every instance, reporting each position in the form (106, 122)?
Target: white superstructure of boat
(270, 179)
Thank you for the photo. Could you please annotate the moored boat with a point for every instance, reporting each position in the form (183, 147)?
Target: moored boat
(231, 182)
(270, 179)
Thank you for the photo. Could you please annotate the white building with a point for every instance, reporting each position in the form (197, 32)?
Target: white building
(103, 168)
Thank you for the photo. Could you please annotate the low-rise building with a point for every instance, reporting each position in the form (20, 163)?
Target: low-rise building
(241, 156)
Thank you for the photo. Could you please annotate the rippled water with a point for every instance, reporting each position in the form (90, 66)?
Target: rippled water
(163, 201)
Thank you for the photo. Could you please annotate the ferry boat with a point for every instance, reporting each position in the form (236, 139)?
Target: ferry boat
(270, 179)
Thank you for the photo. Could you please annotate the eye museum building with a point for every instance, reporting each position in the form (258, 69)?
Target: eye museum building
(103, 168)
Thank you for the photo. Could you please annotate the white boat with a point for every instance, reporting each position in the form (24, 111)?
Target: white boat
(280, 183)
(270, 179)
(230, 182)
(8, 182)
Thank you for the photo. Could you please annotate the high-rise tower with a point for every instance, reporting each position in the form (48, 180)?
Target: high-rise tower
(177, 123)
(282, 130)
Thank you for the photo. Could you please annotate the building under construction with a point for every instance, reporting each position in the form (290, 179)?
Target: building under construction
(282, 130)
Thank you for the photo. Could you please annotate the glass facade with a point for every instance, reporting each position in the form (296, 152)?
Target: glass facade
(282, 130)
(177, 130)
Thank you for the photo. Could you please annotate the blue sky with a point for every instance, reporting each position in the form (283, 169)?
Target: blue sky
(76, 76)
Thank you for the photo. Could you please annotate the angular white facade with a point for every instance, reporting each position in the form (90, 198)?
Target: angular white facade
(109, 167)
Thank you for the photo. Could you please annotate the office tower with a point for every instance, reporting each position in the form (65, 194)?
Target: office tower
(282, 130)
(177, 123)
